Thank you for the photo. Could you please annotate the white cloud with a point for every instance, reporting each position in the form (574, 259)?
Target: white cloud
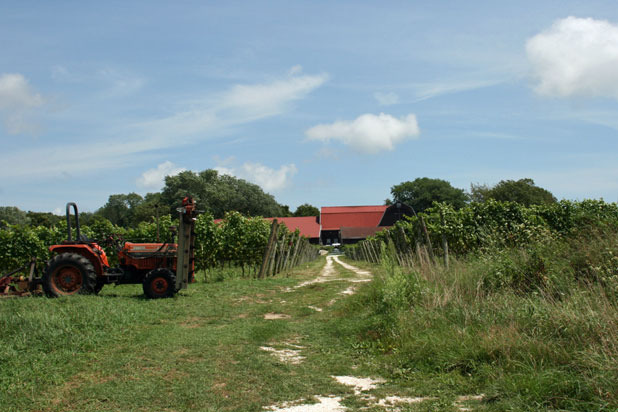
(576, 57)
(271, 98)
(427, 91)
(386, 99)
(267, 178)
(238, 105)
(368, 133)
(154, 178)
(17, 100)
(194, 123)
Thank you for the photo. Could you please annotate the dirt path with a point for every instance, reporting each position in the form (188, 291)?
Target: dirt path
(364, 392)
(330, 274)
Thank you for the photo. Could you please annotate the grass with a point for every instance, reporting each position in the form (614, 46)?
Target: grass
(532, 329)
(196, 352)
(430, 332)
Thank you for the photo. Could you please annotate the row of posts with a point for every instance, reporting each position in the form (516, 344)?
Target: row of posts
(284, 253)
(371, 249)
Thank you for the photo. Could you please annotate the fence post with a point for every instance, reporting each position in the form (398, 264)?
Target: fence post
(287, 262)
(273, 259)
(267, 251)
(284, 245)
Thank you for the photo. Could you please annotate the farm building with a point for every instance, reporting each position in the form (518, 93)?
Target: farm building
(345, 224)
(350, 224)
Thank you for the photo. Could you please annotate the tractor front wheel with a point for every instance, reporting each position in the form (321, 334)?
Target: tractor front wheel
(159, 283)
(69, 274)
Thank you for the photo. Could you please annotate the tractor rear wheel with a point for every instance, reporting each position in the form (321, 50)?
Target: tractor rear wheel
(160, 283)
(69, 274)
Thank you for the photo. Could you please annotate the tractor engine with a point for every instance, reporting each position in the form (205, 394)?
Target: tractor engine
(144, 257)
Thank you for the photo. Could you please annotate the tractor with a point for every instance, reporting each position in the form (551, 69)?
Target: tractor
(80, 266)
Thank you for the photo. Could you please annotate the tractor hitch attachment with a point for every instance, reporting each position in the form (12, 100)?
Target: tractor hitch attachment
(11, 285)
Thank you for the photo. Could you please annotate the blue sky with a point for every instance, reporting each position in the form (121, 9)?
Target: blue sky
(329, 103)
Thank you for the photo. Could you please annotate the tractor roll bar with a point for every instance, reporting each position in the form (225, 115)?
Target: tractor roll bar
(70, 239)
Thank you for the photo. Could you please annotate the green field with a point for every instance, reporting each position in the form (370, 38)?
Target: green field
(211, 347)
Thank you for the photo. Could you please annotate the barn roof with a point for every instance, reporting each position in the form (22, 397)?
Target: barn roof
(335, 217)
(307, 225)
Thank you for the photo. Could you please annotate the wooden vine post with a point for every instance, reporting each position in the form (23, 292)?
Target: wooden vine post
(268, 250)
(427, 240)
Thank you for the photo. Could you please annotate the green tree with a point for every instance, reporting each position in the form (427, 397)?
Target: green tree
(146, 211)
(306, 210)
(423, 191)
(46, 219)
(522, 191)
(120, 209)
(219, 194)
(13, 215)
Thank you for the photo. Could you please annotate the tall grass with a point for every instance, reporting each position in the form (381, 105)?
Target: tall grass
(533, 328)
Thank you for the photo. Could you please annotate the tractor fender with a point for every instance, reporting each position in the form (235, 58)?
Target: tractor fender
(94, 253)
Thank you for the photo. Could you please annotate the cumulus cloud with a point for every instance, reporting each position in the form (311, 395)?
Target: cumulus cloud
(368, 133)
(386, 99)
(576, 57)
(154, 178)
(267, 178)
(17, 101)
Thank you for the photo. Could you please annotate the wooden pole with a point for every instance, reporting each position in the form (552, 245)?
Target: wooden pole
(429, 248)
(295, 255)
(273, 259)
(286, 264)
(268, 250)
(284, 245)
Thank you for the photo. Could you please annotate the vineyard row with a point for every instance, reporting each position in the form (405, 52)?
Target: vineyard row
(235, 241)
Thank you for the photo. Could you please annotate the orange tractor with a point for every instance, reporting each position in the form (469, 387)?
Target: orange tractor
(80, 266)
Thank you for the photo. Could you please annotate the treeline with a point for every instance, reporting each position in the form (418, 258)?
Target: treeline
(422, 192)
(218, 194)
(214, 193)
(235, 241)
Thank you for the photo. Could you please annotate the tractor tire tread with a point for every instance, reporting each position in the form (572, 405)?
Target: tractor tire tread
(89, 276)
(169, 276)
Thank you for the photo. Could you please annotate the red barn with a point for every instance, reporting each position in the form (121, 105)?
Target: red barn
(350, 224)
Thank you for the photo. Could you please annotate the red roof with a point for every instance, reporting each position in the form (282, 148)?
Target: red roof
(335, 217)
(308, 225)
